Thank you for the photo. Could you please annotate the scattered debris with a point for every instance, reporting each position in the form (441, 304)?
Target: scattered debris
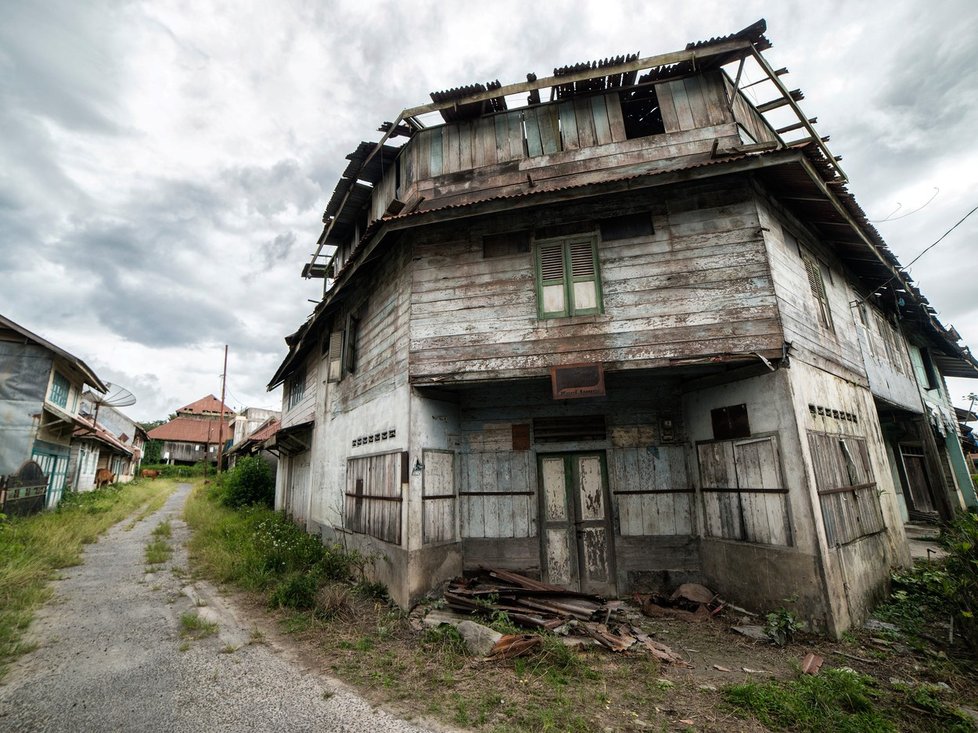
(689, 602)
(877, 625)
(720, 668)
(515, 645)
(534, 604)
(479, 640)
(811, 664)
(752, 632)
(693, 593)
(748, 670)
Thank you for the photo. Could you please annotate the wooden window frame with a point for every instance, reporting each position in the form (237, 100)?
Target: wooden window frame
(60, 390)
(567, 279)
(816, 283)
(297, 389)
(334, 365)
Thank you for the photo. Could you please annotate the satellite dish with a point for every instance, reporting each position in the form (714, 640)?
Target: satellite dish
(114, 396)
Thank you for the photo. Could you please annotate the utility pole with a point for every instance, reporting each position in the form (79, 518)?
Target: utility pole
(220, 430)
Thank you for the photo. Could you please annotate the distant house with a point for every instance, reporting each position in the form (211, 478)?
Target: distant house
(40, 392)
(106, 440)
(196, 432)
(258, 443)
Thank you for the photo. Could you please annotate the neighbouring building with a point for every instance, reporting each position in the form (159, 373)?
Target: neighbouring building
(40, 390)
(195, 432)
(105, 441)
(617, 328)
(259, 442)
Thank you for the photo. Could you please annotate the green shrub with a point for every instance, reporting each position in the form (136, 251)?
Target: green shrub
(249, 482)
(960, 586)
(295, 590)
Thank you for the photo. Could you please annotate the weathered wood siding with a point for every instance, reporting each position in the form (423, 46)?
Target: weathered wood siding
(374, 495)
(834, 349)
(305, 409)
(744, 495)
(497, 498)
(651, 486)
(699, 286)
(381, 335)
(748, 117)
(557, 144)
(438, 496)
(886, 359)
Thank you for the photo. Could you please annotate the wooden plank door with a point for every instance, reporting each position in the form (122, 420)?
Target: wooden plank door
(577, 531)
(918, 486)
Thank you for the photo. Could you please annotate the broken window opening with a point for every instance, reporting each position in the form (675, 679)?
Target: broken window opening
(641, 112)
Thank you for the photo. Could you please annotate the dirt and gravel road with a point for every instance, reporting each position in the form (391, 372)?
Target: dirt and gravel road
(110, 655)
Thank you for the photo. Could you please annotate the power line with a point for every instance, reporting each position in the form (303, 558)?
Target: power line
(927, 249)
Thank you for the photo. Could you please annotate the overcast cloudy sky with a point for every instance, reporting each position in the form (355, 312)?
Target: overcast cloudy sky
(164, 165)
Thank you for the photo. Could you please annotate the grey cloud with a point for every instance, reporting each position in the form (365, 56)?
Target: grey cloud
(270, 191)
(278, 249)
(57, 60)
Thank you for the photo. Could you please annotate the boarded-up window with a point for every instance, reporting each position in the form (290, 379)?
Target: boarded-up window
(744, 497)
(652, 488)
(846, 487)
(495, 499)
(438, 496)
(373, 495)
(567, 278)
(817, 285)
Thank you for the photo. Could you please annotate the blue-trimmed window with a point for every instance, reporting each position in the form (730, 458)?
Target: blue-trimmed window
(59, 391)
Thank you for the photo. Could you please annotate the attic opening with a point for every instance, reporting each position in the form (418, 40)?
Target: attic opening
(641, 112)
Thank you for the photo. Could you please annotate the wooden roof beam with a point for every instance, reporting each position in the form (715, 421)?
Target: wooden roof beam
(762, 62)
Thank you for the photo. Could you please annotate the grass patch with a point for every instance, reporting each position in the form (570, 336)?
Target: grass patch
(846, 701)
(158, 551)
(33, 548)
(192, 626)
(163, 530)
(836, 700)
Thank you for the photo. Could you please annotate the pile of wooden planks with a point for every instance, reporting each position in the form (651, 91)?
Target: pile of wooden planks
(527, 602)
(533, 604)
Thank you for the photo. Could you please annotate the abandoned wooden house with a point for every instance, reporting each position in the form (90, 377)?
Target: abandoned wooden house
(616, 328)
(195, 432)
(40, 388)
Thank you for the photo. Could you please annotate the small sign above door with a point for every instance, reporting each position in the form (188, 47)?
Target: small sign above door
(577, 380)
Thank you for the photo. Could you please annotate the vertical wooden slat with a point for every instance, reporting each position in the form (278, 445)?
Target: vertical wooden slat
(697, 103)
(534, 142)
(585, 122)
(602, 124)
(615, 118)
(549, 129)
(568, 126)
(667, 106)
(436, 153)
